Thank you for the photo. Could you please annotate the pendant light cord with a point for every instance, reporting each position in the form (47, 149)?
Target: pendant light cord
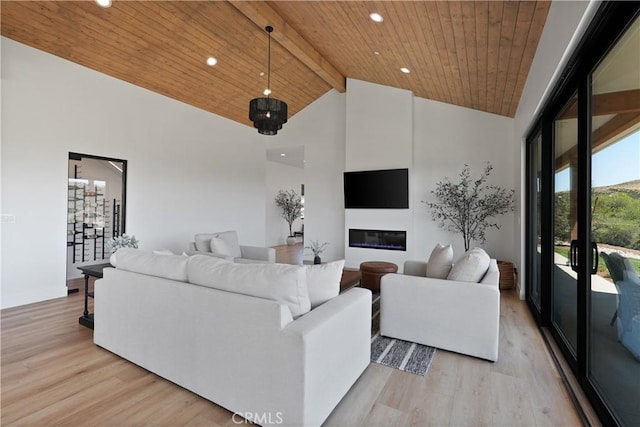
(269, 30)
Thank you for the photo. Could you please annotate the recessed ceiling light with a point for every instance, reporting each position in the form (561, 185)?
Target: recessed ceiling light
(267, 92)
(211, 61)
(282, 154)
(103, 3)
(375, 52)
(261, 73)
(405, 70)
(376, 17)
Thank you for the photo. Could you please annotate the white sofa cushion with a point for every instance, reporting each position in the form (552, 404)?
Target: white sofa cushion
(172, 267)
(323, 281)
(440, 262)
(471, 267)
(284, 283)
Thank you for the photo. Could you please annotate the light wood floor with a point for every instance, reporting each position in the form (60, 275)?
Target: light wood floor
(53, 374)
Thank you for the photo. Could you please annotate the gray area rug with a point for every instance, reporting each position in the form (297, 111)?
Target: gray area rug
(403, 355)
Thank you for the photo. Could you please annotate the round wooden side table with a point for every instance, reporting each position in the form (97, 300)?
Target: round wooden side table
(372, 271)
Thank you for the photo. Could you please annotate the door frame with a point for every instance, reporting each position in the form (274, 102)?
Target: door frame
(79, 156)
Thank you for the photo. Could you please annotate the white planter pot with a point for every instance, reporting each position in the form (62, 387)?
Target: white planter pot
(291, 240)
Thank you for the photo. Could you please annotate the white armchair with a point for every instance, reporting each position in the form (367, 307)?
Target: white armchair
(458, 316)
(225, 245)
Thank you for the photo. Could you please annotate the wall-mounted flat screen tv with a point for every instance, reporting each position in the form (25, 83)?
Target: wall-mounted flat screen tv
(379, 189)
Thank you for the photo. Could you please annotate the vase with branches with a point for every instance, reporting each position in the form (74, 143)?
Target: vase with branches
(290, 205)
(317, 248)
(469, 206)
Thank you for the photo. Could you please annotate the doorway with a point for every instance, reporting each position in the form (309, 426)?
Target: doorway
(96, 206)
(285, 170)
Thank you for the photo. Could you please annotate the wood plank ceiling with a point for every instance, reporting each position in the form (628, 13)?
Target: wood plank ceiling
(472, 54)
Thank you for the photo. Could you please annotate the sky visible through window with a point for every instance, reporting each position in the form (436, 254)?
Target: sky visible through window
(616, 164)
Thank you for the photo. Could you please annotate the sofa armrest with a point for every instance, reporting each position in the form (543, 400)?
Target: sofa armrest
(258, 253)
(335, 343)
(415, 268)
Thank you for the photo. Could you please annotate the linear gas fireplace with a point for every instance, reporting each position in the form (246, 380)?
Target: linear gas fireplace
(378, 239)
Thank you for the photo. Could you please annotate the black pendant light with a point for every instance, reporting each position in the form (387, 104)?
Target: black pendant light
(268, 114)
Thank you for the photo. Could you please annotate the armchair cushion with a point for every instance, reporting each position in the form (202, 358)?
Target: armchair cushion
(440, 262)
(471, 267)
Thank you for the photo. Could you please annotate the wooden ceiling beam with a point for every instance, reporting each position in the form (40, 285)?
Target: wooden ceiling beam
(262, 15)
(605, 133)
(614, 127)
(625, 101)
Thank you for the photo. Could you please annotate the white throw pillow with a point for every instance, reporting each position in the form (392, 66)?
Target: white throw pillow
(231, 239)
(440, 262)
(471, 267)
(284, 283)
(203, 241)
(219, 246)
(323, 281)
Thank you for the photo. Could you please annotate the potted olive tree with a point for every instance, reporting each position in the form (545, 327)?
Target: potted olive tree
(290, 205)
(468, 207)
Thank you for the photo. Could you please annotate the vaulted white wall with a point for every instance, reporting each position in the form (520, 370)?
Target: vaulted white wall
(190, 171)
(446, 137)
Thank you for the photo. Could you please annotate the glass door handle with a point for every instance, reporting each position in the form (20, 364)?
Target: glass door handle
(573, 255)
(595, 258)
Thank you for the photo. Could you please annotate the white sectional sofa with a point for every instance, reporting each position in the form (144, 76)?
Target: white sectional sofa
(246, 353)
(452, 315)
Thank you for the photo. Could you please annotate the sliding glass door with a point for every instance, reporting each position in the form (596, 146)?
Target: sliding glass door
(614, 326)
(565, 224)
(583, 222)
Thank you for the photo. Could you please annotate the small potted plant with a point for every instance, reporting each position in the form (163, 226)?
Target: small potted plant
(123, 241)
(317, 248)
(290, 205)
